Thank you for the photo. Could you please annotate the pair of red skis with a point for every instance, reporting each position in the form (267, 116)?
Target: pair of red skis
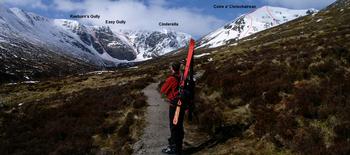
(184, 77)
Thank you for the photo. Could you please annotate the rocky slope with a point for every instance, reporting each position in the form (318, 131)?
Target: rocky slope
(157, 43)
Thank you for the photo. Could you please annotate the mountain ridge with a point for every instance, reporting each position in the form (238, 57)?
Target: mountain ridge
(255, 21)
(75, 35)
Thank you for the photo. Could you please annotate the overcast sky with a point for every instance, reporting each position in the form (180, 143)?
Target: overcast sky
(195, 17)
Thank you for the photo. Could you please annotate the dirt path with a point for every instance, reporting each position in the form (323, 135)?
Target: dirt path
(156, 133)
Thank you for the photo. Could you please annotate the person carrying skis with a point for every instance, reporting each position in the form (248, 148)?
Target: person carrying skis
(170, 89)
(180, 93)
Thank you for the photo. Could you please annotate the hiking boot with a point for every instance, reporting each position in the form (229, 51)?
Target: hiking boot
(169, 150)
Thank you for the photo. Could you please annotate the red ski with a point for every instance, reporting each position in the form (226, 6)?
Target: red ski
(184, 77)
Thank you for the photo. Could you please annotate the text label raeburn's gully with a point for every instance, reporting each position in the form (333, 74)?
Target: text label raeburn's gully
(85, 16)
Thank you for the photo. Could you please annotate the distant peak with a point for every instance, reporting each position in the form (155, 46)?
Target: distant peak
(27, 16)
(165, 31)
(16, 9)
(285, 8)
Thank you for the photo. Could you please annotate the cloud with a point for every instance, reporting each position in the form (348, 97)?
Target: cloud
(67, 5)
(158, 2)
(301, 4)
(26, 3)
(139, 16)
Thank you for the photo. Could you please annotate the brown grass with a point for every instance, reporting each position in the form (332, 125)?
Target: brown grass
(76, 115)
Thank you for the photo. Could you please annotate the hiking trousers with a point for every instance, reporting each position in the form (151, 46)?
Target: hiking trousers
(177, 131)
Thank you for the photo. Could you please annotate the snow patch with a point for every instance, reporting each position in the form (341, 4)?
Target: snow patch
(30, 82)
(234, 44)
(134, 67)
(3, 40)
(2, 47)
(113, 44)
(99, 72)
(25, 82)
(201, 55)
(20, 14)
(10, 84)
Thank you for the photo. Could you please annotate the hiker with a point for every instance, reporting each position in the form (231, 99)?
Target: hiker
(171, 89)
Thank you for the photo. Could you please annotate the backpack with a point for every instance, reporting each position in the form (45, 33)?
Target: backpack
(187, 96)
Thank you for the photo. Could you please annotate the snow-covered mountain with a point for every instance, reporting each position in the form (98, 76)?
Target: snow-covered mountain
(99, 40)
(250, 23)
(34, 46)
(39, 31)
(156, 43)
(97, 45)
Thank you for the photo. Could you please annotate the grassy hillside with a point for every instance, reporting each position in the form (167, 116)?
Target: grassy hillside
(21, 60)
(83, 114)
(285, 90)
(92, 113)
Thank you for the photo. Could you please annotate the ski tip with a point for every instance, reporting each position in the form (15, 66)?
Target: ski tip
(192, 41)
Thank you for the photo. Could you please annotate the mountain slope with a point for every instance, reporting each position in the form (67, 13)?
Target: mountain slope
(55, 39)
(43, 32)
(156, 43)
(247, 24)
(284, 90)
(90, 42)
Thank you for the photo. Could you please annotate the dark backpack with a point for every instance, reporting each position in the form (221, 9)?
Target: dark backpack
(187, 93)
(187, 96)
